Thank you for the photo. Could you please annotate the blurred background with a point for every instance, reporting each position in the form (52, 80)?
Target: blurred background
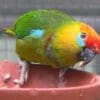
(84, 10)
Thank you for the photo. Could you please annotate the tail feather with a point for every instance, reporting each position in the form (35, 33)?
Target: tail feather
(9, 31)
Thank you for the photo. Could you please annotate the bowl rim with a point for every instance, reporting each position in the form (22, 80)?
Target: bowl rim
(94, 84)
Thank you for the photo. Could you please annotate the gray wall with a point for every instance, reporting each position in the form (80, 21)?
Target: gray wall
(84, 10)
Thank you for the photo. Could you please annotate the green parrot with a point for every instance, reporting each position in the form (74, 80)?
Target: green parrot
(54, 38)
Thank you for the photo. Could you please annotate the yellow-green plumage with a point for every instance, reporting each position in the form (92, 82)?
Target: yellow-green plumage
(65, 44)
(60, 33)
(53, 38)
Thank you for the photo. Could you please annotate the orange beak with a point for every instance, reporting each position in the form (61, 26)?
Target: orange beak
(93, 39)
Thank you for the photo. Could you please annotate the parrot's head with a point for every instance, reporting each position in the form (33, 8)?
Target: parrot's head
(88, 38)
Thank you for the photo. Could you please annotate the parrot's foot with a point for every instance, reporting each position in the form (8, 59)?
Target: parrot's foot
(81, 63)
(62, 73)
(23, 74)
(80, 66)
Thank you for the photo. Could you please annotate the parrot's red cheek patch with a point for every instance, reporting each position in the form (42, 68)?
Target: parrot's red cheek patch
(43, 84)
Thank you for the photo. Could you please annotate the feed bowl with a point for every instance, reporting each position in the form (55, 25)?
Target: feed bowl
(43, 84)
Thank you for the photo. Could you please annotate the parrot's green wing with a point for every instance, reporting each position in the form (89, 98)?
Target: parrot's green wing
(47, 20)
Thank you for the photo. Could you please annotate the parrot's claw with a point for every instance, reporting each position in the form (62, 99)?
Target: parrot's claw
(81, 63)
(26, 75)
(23, 74)
(16, 81)
(62, 73)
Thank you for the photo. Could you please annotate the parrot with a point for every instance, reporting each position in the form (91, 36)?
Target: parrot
(52, 37)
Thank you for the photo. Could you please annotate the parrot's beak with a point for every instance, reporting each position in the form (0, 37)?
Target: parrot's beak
(85, 56)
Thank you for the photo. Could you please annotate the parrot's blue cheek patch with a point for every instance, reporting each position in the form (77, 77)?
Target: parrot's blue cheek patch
(80, 41)
(37, 33)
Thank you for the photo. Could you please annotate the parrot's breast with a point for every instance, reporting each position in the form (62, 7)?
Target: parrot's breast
(65, 45)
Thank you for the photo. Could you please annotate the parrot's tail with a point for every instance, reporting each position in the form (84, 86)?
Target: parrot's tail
(9, 31)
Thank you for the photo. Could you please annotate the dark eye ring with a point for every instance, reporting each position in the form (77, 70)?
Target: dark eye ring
(83, 35)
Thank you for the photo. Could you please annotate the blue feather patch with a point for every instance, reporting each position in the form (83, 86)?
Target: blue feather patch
(80, 41)
(37, 33)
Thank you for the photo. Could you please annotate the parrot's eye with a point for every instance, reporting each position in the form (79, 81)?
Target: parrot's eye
(83, 35)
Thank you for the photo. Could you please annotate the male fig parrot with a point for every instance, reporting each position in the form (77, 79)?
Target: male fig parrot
(54, 38)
